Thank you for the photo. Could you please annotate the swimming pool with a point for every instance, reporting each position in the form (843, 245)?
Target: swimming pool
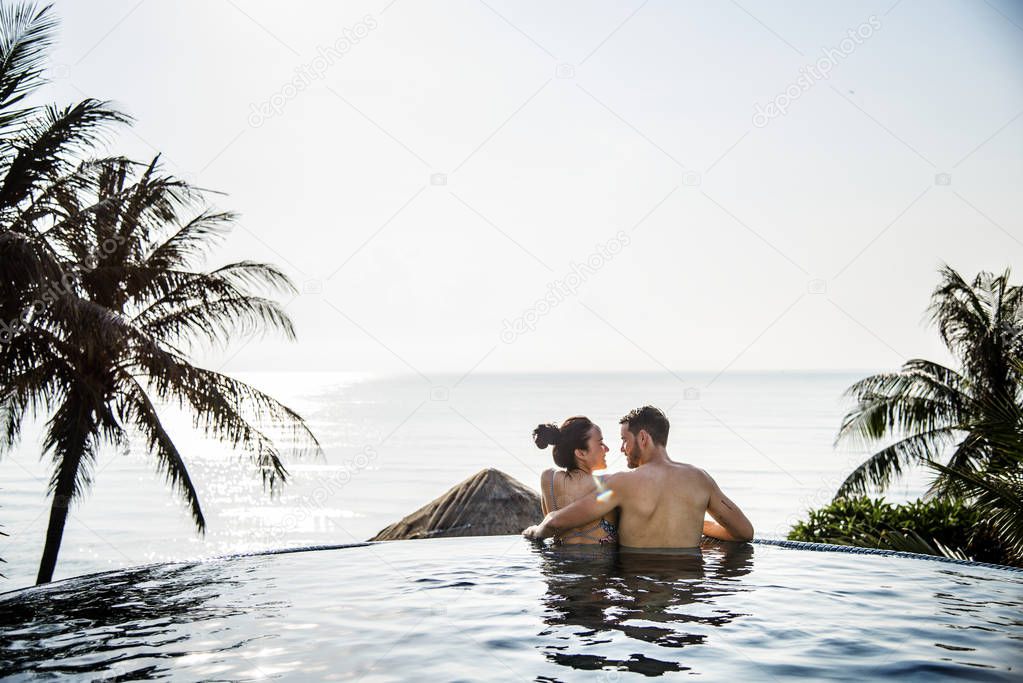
(499, 608)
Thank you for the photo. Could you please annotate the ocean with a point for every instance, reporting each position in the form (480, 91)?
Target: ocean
(393, 443)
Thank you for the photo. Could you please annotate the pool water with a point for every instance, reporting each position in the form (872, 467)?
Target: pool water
(500, 608)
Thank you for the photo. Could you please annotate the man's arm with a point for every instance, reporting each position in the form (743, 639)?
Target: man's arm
(582, 511)
(729, 524)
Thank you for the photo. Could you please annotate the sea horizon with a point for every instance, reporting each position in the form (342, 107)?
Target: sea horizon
(393, 442)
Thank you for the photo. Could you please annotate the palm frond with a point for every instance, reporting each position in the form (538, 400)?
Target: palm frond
(191, 241)
(999, 495)
(213, 306)
(957, 309)
(136, 408)
(908, 541)
(227, 409)
(154, 201)
(26, 394)
(43, 149)
(899, 403)
(880, 469)
(259, 275)
(26, 36)
(58, 201)
(976, 322)
(221, 320)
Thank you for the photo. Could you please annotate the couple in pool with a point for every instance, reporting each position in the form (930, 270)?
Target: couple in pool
(657, 504)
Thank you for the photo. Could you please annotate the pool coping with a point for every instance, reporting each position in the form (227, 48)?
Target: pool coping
(794, 545)
(857, 550)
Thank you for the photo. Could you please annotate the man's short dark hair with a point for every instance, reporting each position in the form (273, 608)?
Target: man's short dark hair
(652, 420)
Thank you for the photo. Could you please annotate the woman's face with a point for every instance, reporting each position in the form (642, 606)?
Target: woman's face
(594, 455)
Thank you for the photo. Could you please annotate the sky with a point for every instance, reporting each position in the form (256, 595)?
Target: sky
(496, 186)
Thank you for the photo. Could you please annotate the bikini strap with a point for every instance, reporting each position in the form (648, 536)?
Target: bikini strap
(554, 501)
(586, 533)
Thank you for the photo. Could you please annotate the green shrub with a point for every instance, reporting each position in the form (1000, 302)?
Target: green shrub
(935, 527)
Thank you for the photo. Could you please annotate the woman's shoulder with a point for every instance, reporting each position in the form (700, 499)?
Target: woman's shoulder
(547, 484)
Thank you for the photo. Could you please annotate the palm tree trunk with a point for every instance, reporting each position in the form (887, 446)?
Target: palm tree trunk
(58, 516)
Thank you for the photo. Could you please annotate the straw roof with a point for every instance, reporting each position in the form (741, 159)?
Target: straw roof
(489, 503)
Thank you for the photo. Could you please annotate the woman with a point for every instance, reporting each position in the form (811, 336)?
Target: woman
(579, 450)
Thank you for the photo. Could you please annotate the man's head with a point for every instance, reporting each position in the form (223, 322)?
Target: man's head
(643, 431)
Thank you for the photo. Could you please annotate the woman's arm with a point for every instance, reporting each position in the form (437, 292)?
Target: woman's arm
(715, 530)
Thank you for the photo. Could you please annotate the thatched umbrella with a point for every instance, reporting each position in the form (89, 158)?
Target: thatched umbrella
(489, 503)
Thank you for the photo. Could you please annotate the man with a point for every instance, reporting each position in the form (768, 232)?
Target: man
(661, 502)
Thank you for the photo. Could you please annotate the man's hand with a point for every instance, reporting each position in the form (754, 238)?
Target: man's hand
(540, 531)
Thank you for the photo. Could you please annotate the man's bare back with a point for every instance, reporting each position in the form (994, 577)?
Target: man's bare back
(661, 502)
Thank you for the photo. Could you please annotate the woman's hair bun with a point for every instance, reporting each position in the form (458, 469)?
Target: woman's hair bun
(546, 435)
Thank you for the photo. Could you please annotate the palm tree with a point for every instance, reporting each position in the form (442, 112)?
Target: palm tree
(114, 341)
(934, 413)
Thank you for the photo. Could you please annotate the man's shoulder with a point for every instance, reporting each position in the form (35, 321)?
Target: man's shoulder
(618, 478)
(697, 474)
(688, 475)
(689, 468)
(639, 477)
(686, 468)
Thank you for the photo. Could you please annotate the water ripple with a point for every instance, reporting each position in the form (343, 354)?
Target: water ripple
(500, 609)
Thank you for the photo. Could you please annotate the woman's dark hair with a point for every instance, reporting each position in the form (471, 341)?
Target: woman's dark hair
(572, 434)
